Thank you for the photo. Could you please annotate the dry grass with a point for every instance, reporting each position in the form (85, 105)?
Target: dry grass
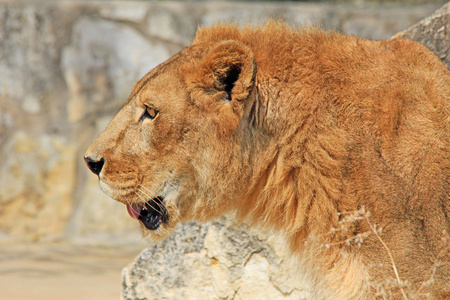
(400, 288)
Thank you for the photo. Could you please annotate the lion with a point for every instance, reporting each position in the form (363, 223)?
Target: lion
(340, 144)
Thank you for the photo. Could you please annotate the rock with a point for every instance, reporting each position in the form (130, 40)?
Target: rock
(125, 12)
(213, 261)
(171, 23)
(371, 21)
(241, 13)
(377, 24)
(102, 62)
(433, 32)
(38, 180)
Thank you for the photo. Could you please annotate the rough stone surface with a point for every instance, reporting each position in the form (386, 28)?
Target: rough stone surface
(102, 62)
(433, 32)
(42, 164)
(213, 261)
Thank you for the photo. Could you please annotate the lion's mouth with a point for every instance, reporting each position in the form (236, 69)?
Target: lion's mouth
(151, 213)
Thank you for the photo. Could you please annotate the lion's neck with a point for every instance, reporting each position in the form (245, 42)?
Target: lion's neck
(297, 184)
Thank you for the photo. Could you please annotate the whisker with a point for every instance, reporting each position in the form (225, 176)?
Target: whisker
(148, 196)
(146, 202)
(145, 188)
(143, 192)
(161, 207)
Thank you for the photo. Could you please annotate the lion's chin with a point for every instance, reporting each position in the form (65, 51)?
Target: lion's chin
(155, 226)
(157, 235)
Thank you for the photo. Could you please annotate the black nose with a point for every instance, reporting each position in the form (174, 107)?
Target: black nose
(94, 165)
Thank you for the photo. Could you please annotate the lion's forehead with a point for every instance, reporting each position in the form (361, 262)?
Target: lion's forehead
(166, 88)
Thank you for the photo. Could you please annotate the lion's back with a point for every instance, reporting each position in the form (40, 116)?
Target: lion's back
(394, 105)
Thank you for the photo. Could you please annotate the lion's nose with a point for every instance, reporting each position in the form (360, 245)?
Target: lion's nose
(94, 165)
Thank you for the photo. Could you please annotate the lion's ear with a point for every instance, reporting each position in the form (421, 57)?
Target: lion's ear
(229, 68)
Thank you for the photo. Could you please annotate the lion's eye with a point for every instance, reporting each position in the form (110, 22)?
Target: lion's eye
(150, 113)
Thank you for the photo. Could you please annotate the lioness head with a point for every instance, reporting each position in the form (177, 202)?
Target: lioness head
(184, 130)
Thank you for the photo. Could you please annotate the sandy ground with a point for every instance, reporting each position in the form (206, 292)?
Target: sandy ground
(38, 271)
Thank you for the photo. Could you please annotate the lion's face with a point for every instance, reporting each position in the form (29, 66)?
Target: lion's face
(184, 128)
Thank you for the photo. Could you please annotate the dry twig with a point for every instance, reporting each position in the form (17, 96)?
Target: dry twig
(390, 257)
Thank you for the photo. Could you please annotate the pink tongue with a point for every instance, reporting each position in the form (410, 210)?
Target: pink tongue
(134, 210)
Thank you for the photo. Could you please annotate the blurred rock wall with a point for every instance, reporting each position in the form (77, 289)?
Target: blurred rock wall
(67, 67)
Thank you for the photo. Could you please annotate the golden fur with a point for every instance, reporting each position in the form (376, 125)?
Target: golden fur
(324, 137)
